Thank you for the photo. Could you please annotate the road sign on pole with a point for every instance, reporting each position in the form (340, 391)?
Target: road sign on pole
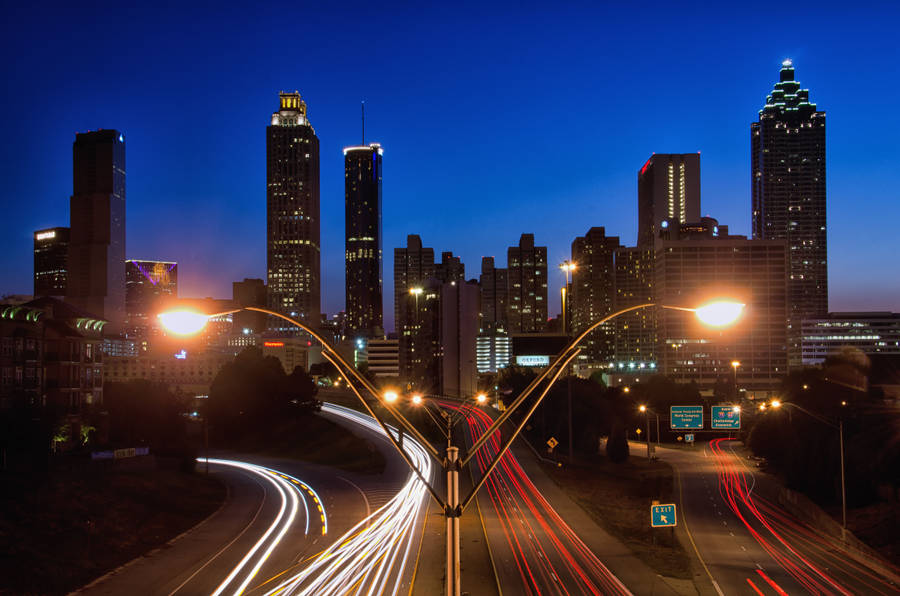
(689, 438)
(686, 417)
(725, 418)
(662, 516)
(552, 442)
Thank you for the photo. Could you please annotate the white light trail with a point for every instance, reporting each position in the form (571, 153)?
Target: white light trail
(371, 557)
(289, 489)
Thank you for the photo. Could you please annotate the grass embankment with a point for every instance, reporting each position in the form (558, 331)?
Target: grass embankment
(316, 440)
(85, 518)
(618, 498)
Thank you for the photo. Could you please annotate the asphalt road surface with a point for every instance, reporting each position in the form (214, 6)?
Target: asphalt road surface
(290, 527)
(750, 545)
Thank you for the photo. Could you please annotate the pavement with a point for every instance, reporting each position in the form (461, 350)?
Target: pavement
(746, 543)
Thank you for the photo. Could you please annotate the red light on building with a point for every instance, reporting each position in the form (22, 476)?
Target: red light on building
(273, 344)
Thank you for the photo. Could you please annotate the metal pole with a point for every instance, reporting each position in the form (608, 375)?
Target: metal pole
(647, 416)
(657, 429)
(569, 387)
(843, 485)
(451, 512)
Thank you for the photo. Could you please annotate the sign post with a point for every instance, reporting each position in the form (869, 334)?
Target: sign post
(686, 417)
(725, 418)
(663, 516)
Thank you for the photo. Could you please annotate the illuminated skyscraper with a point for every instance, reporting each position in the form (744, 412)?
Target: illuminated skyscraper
(51, 258)
(788, 178)
(527, 274)
(362, 203)
(292, 213)
(96, 280)
(147, 283)
(416, 298)
(594, 292)
(668, 193)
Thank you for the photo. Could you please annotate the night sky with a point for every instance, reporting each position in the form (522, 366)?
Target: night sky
(494, 121)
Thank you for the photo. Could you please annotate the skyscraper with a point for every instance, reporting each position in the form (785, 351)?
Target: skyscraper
(450, 268)
(527, 271)
(362, 203)
(96, 280)
(51, 258)
(292, 213)
(635, 331)
(494, 296)
(416, 300)
(668, 193)
(788, 187)
(147, 285)
(594, 291)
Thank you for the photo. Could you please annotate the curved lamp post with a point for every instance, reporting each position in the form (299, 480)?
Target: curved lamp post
(720, 313)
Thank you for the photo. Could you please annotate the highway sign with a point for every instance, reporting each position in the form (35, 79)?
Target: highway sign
(552, 442)
(725, 418)
(686, 417)
(689, 438)
(662, 516)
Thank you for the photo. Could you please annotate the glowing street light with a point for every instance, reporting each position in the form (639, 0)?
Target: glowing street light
(720, 313)
(390, 396)
(776, 403)
(183, 322)
(736, 409)
(417, 399)
(643, 408)
(481, 398)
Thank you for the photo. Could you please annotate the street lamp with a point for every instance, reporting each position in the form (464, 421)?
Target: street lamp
(840, 428)
(647, 411)
(718, 314)
(735, 364)
(567, 267)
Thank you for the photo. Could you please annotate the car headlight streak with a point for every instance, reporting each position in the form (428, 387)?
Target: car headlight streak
(293, 491)
(371, 557)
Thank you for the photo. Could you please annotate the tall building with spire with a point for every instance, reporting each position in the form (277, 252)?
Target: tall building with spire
(292, 213)
(788, 188)
(96, 277)
(362, 203)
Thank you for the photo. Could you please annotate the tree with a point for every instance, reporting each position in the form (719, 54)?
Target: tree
(617, 445)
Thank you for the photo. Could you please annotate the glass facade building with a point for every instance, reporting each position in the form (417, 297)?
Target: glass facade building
(51, 259)
(292, 214)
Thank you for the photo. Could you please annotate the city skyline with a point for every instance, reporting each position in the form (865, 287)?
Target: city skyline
(492, 189)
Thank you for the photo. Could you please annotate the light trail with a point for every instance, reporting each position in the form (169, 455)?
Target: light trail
(292, 492)
(371, 557)
(817, 562)
(512, 494)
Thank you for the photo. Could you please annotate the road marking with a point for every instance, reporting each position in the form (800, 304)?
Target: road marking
(732, 533)
(743, 548)
(688, 530)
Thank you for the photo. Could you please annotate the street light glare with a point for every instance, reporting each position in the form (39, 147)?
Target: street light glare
(183, 322)
(417, 399)
(735, 363)
(720, 313)
(390, 396)
(481, 398)
(776, 403)
(736, 409)
(643, 408)
(415, 291)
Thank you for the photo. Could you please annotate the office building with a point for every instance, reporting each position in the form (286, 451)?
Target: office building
(362, 202)
(872, 333)
(635, 332)
(788, 189)
(450, 268)
(668, 193)
(148, 285)
(413, 272)
(250, 292)
(492, 352)
(292, 214)
(593, 293)
(458, 332)
(527, 274)
(700, 262)
(383, 356)
(96, 278)
(51, 261)
(494, 296)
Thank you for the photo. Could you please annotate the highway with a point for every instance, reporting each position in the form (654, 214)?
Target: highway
(750, 545)
(534, 550)
(292, 528)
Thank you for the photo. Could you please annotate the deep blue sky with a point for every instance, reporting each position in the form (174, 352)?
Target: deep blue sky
(494, 120)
